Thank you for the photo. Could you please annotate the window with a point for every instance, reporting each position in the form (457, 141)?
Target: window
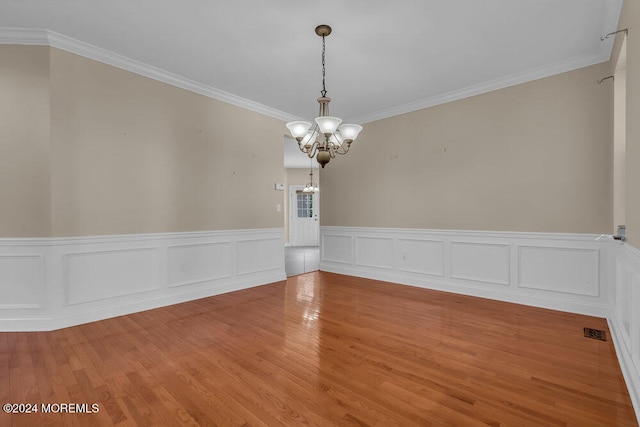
(305, 204)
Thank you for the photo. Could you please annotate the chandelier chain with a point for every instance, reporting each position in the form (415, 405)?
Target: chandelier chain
(324, 90)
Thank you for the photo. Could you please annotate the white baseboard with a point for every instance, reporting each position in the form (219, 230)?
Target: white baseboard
(629, 369)
(567, 272)
(49, 284)
(567, 305)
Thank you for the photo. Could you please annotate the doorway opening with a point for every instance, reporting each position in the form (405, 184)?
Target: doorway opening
(302, 255)
(301, 211)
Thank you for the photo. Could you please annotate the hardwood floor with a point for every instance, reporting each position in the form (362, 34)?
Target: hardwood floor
(322, 349)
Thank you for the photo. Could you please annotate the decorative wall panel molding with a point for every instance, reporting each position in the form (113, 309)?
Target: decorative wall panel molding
(557, 271)
(189, 264)
(374, 252)
(570, 270)
(337, 248)
(258, 255)
(49, 284)
(624, 316)
(21, 281)
(480, 262)
(100, 275)
(428, 256)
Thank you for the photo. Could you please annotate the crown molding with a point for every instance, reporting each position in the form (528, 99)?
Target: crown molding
(489, 86)
(608, 23)
(25, 36)
(39, 37)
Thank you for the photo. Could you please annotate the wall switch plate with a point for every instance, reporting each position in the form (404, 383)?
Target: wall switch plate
(279, 186)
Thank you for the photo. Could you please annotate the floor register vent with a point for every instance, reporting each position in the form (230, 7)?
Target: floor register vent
(596, 334)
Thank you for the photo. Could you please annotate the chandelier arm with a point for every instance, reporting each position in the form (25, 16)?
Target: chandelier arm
(338, 151)
(333, 151)
(303, 148)
(313, 150)
(314, 135)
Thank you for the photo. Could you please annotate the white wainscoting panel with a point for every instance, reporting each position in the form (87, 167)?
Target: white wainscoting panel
(570, 270)
(21, 281)
(374, 252)
(259, 255)
(336, 248)
(621, 295)
(624, 316)
(420, 256)
(480, 262)
(48, 284)
(197, 263)
(550, 270)
(93, 276)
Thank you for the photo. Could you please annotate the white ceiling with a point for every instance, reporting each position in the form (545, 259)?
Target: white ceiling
(383, 58)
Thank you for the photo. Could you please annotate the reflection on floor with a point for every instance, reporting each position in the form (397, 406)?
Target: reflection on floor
(301, 259)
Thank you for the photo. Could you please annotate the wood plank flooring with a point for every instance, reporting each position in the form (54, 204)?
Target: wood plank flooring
(322, 349)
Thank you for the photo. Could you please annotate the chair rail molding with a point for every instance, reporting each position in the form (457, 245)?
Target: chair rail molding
(54, 283)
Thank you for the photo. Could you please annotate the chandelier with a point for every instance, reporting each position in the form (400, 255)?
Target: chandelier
(311, 187)
(328, 137)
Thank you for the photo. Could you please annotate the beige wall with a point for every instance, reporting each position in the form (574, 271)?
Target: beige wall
(630, 18)
(24, 142)
(89, 149)
(533, 157)
(295, 177)
(133, 155)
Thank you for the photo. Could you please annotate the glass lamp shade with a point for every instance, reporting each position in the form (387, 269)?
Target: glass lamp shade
(328, 124)
(298, 129)
(349, 132)
(336, 139)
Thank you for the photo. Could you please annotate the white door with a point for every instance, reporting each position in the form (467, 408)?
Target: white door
(304, 210)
